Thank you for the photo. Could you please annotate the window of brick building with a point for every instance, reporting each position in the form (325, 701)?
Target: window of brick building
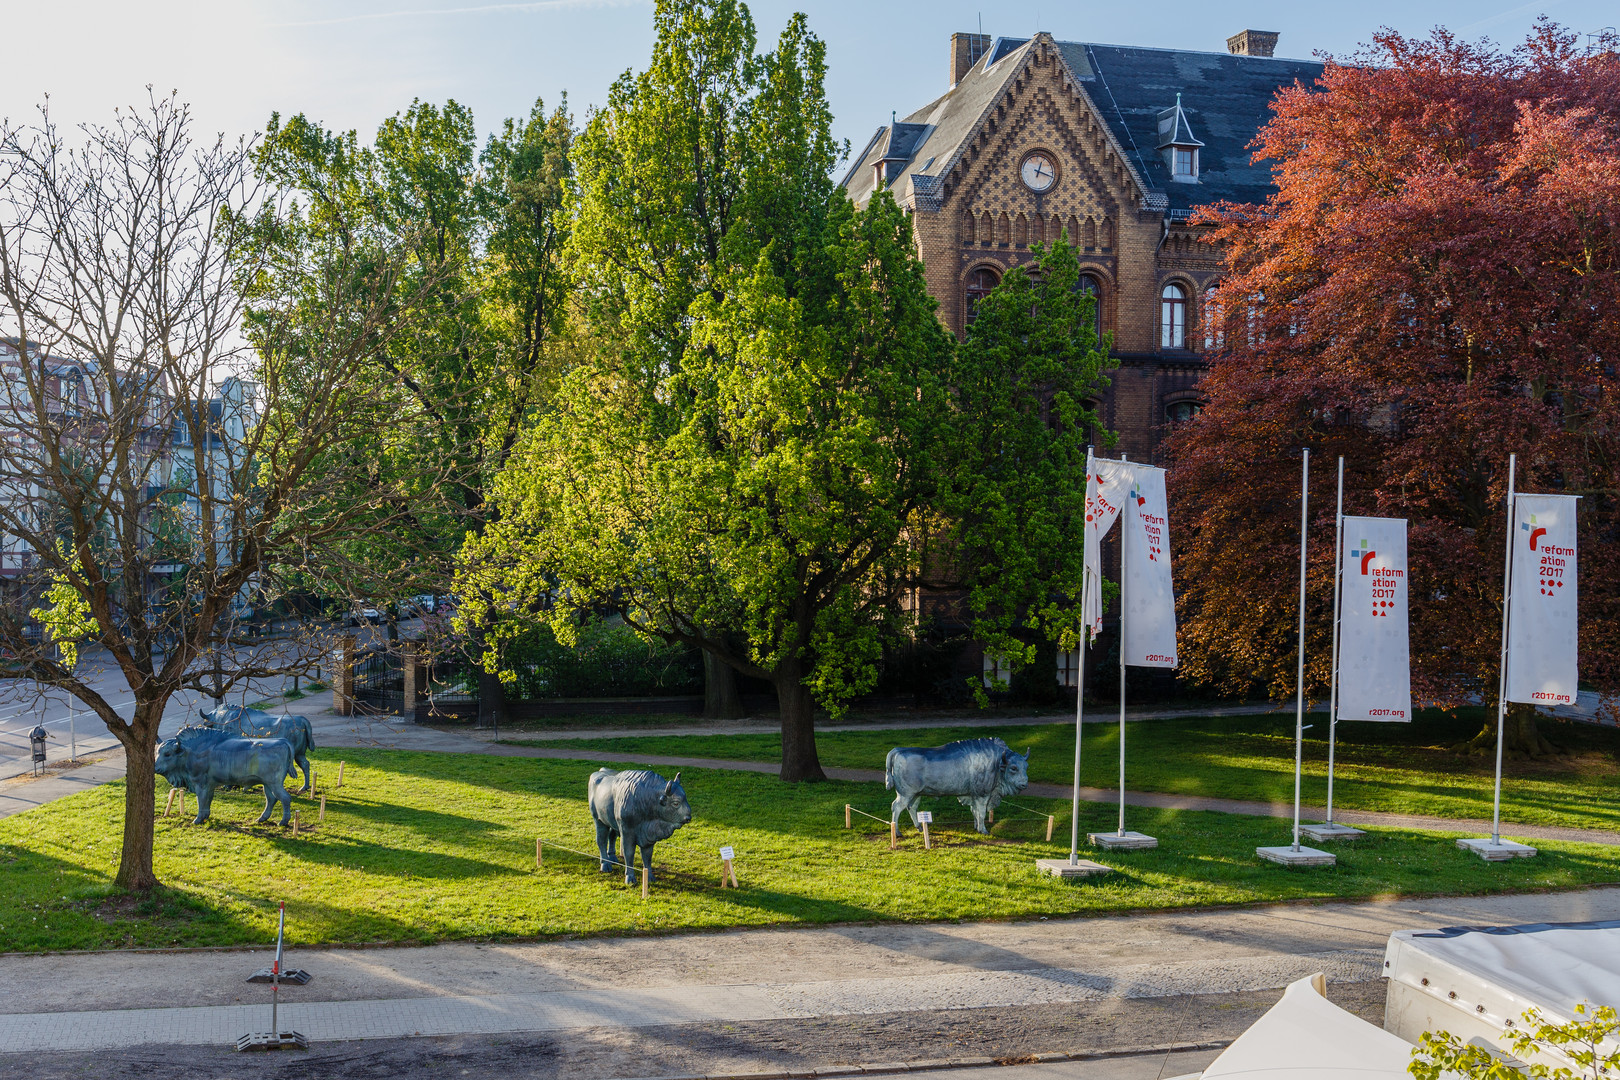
(1173, 317)
(1088, 285)
(979, 284)
(1021, 231)
(1213, 318)
(967, 226)
(1091, 234)
(987, 228)
(1108, 236)
(1179, 412)
(1003, 230)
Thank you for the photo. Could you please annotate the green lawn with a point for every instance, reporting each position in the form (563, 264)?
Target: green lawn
(1400, 768)
(427, 847)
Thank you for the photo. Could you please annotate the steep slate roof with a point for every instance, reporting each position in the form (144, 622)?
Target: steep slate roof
(1226, 99)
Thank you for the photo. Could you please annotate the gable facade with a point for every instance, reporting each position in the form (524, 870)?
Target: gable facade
(1114, 147)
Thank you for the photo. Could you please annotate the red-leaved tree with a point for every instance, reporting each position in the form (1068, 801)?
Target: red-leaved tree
(1435, 285)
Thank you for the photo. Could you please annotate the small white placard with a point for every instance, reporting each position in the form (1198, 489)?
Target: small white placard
(726, 854)
(925, 817)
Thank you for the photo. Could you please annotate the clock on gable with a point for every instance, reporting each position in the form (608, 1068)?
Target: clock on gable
(1039, 171)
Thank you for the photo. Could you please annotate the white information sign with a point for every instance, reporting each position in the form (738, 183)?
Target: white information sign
(1542, 638)
(1150, 600)
(925, 817)
(1106, 488)
(1375, 661)
(726, 854)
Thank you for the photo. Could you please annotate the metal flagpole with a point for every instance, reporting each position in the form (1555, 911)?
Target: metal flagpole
(1123, 545)
(1080, 686)
(1338, 589)
(1501, 685)
(1299, 708)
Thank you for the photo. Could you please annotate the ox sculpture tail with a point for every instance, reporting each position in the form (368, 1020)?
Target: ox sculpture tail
(888, 770)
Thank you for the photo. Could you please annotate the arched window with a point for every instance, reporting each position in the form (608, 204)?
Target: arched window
(1091, 234)
(1088, 285)
(1179, 412)
(967, 227)
(1021, 231)
(1003, 229)
(1108, 234)
(979, 284)
(1173, 317)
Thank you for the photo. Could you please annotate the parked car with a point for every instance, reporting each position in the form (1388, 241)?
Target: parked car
(363, 614)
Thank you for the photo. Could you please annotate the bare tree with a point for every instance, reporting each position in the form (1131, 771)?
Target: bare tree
(184, 387)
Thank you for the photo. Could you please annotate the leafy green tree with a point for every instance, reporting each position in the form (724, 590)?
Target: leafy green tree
(1587, 1040)
(1026, 383)
(487, 234)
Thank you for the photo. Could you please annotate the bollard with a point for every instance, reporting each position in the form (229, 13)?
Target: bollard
(846, 815)
(1050, 821)
(312, 781)
(644, 883)
(323, 812)
(894, 836)
(340, 774)
(295, 823)
(989, 817)
(927, 843)
(182, 802)
(539, 859)
(170, 804)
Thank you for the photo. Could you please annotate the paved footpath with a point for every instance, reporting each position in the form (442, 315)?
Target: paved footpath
(85, 1002)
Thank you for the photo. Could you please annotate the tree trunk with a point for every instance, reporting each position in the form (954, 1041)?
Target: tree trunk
(140, 785)
(1520, 738)
(721, 701)
(799, 760)
(491, 700)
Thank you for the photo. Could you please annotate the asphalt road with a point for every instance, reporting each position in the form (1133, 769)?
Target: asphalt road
(76, 732)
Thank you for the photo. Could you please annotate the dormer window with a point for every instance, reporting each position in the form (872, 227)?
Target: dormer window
(1177, 144)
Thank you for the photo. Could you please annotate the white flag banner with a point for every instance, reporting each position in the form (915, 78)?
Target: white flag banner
(1375, 659)
(1150, 600)
(1542, 639)
(1106, 487)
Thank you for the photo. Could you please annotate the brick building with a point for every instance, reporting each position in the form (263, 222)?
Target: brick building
(1116, 145)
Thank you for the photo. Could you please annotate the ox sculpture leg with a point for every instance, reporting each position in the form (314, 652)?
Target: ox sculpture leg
(605, 837)
(902, 802)
(205, 803)
(275, 791)
(302, 761)
(629, 855)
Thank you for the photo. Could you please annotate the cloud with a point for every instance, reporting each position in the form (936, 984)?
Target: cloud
(478, 9)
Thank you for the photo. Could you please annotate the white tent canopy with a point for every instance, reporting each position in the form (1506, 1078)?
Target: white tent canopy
(1306, 1035)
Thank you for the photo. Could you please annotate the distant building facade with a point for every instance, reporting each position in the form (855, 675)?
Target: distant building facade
(1115, 145)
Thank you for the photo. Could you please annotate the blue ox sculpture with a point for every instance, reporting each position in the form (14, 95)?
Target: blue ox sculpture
(202, 760)
(979, 772)
(258, 724)
(639, 806)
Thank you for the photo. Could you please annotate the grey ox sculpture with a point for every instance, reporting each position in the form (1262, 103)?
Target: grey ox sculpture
(202, 760)
(639, 806)
(979, 772)
(258, 724)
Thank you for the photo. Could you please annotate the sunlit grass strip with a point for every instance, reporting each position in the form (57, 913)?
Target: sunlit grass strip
(432, 847)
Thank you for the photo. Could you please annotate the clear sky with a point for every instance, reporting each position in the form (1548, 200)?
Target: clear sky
(349, 63)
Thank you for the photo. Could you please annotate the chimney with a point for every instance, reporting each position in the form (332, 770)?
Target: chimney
(966, 49)
(1252, 43)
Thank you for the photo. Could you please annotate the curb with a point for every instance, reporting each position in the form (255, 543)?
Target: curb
(943, 1064)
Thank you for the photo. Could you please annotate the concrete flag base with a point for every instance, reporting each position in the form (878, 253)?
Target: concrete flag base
(1498, 851)
(1323, 833)
(1121, 841)
(1063, 868)
(1288, 855)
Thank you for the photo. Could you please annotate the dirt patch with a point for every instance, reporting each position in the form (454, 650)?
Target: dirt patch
(54, 769)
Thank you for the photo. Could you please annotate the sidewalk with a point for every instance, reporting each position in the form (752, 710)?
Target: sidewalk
(105, 1000)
